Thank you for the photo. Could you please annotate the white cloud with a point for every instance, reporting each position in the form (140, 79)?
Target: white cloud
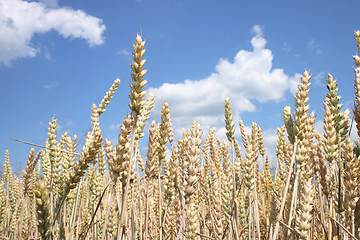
(248, 77)
(21, 20)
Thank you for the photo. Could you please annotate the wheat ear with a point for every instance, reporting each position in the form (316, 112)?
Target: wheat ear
(43, 211)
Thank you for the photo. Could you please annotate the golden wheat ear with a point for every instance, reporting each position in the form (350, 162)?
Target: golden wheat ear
(137, 65)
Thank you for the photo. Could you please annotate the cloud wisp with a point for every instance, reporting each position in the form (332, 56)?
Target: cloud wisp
(124, 52)
(50, 3)
(21, 20)
(51, 85)
(250, 76)
(314, 46)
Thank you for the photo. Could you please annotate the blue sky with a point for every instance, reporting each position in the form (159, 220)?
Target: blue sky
(57, 57)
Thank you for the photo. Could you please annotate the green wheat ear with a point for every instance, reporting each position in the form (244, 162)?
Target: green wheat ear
(229, 124)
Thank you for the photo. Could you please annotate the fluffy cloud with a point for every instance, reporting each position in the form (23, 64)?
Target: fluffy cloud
(21, 20)
(248, 77)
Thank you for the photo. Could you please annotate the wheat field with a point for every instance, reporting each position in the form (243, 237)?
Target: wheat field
(200, 187)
